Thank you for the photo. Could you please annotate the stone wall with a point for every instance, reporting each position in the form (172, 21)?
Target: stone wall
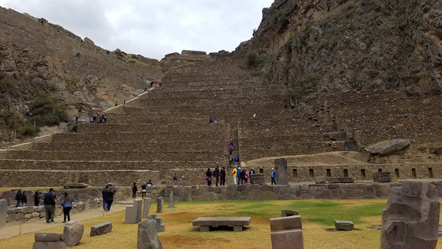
(280, 192)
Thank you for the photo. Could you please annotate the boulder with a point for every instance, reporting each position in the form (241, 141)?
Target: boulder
(48, 237)
(387, 147)
(411, 217)
(147, 235)
(344, 225)
(285, 213)
(100, 229)
(73, 231)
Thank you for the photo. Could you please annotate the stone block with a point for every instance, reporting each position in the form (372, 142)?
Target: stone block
(383, 177)
(281, 171)
(11, 218)
(48, 237)
(3, 212)
(133, 213)
(19, 210)
(344, 225)
(320, 179)
(160, 204)
(171, 200)
(19, 216)
(285, 223)
(147, 236)
(411, 217)
(73, 232)
(285, 213)
(341, 180)
(100, 229)
(28, 209)
(28, 216)
(49, 245)
(287, 239)
(257, 179)
(146, 207)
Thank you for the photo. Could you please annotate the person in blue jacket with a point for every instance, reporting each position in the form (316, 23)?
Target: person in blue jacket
(66, 203)
(273, 175)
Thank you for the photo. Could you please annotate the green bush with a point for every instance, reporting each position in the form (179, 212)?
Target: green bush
(253, 60)
(29, 130)
(7, 83)
(47, 110)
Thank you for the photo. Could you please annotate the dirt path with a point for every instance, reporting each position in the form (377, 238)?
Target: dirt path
(34, 226)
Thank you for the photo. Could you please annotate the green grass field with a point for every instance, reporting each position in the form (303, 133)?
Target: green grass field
(317, 216)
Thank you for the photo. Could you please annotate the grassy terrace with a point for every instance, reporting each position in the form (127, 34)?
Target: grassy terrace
(317, 216)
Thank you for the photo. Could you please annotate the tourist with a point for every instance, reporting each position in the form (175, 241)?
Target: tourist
(231, 142)
(246, 176)
(222, 175)
(24, 199)
(151, 84)
(92, 119)
(216, 175)
(230, 149)
(18, 197)
(149, 183)
(36, 198)
(242, 176)
(209, 177)
(273, 176)
(49, 202)
(234, 172)
(110, 198)
(143, 190)
(66, 203)
(134, 191)
(175, 178)
(230, 160)
(104, 195)
(238, 175)
(236, 161)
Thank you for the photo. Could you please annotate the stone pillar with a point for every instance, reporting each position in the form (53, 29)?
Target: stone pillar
(281, 171)
(133, 213)
(171, 201)
(73, 232)
(146, 208)
(3, 212)
(411, 217)
(160, 203)
(147, 236)
(286, 232)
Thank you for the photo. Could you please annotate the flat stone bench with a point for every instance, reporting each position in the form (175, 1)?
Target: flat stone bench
(236, 222)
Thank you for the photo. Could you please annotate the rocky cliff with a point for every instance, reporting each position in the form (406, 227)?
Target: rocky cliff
(322, 47)
(36, 56)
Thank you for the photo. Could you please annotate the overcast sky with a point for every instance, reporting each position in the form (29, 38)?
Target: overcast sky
(152, 28)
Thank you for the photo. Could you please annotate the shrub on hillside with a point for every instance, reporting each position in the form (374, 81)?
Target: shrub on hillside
(47, 110)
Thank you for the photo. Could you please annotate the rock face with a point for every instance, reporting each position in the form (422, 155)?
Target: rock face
(411, 217)
(389, 147)
(147, 235)
(73, 232)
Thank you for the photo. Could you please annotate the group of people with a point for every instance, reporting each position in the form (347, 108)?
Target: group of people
(49, 202)
(241, 176)
(219, 175)
(142, 189)
(101, 118)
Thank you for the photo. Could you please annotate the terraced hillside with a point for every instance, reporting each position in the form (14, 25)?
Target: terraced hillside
(167, 130)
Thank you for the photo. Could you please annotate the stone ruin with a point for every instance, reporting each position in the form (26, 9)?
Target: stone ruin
(281, 171)
(286, 232)
(147, 235)
(411, 217)
(133, 213)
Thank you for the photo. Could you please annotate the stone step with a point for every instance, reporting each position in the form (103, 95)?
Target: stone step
(142, 127)
(156, 147)
(114, 155)
(27, 164)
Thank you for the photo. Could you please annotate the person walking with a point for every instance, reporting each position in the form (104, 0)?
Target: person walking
(234, 171)
(238, 175)
(216, 175)
(49, 202)
(18, 197)
(134, 190)
(236, 161)
(110, 197)
(230, 149)
(36, 198)
(209, 177)
(222, 175)
(175, 178)
(24, 199)
(143, 190)
(104, 195)
(273, 176)
(246, 176)
(66, 203)
(230, 160)
(242, 176)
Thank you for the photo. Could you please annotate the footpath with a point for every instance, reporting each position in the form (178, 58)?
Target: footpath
(34, 226)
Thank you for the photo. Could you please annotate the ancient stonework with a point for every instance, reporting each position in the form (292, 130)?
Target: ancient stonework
(411, 217)
(147, 235)
(73, 232)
